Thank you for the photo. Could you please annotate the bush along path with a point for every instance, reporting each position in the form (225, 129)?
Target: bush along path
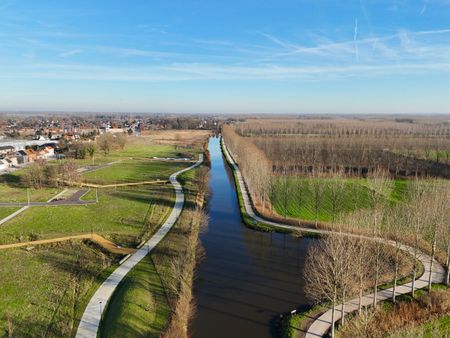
(322, 324)
(92, 315)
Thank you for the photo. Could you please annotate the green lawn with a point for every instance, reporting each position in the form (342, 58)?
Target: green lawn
(139, 305)
(9, 193)
(134, 171)
(119, 215)
(141, 148)
(295, 197)
(6, 211)
(44, 290)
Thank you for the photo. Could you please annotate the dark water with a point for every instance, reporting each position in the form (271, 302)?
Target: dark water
(247, 277)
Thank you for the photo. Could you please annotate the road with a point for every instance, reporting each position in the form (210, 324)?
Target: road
(90, 321)
(322, 324)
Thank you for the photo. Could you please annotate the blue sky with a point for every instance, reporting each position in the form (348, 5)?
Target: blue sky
(231, 56)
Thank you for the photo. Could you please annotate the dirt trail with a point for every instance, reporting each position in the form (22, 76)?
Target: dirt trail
(100, 186)
(103, 242)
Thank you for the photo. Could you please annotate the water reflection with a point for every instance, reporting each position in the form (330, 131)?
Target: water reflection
(247, 277)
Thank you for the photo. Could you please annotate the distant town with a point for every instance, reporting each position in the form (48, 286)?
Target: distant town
(27, 139)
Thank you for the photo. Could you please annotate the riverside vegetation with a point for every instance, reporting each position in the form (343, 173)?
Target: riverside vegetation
(339, 175)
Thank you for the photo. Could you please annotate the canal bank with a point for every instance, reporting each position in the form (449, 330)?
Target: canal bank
(247, 277)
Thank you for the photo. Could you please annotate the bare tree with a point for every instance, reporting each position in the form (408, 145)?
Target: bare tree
(328, 272)
(105, 143)
(416, 218)
(35, 175)
(436, 203)
(379, 185)
(120, 140)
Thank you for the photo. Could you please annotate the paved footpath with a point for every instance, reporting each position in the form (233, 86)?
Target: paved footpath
(90, 321)
(322, 324)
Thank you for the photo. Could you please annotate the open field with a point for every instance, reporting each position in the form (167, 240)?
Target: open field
(10, 193)
(130, 171)
(153, 144)
(44, 290)
(120, 216)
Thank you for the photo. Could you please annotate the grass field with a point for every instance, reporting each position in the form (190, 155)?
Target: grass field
(119, 216)
(6, 211)
(139, 148)
(10, 193)
(130, 171)
(44, 290)
(139, 306)
(336, 197)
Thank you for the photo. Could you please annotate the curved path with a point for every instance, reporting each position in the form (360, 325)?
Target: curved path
(322, 325)
(90, 321)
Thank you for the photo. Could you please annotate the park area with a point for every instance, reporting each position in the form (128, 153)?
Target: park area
(45, 288)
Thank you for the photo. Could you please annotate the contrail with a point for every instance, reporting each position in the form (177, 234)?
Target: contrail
(355, 37)
(424, 8)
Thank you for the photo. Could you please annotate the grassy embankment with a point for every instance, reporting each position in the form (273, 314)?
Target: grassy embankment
(44, 290)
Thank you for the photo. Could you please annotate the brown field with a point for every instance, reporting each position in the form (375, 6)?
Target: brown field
(178, 137)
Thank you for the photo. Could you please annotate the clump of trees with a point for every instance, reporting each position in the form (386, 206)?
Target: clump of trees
(107, 142)
(82, 150)
(42, 174)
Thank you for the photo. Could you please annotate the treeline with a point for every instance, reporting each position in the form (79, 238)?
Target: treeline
(341, 127)
(402, 156)
(252, 161)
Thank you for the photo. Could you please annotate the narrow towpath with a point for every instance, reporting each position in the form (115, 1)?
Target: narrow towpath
(90, 321)
(103, 242)
(322, 324)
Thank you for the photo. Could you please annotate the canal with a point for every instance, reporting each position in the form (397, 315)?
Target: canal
(247, 278)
